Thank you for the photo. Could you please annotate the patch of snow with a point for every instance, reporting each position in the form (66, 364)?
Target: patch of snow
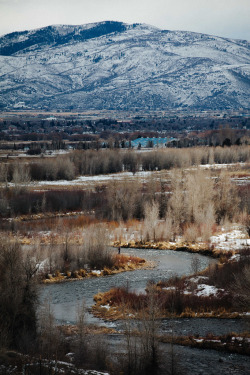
(199, 340)
(235, 257)
(106, 307)
(43, 265)
(214, 341)
(197, 279)
(220, 166)
(97, 272)
(235, 239)
(207, 290)
(87, 179)
(186, 292)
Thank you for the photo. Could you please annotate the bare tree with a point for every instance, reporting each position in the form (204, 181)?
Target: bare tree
(149, 332)
(48, 332)
(199, 193)
(176, 205)
(245, 221)
(226, 198)
(18, 295)
(98, 247)
(4, 205)
(21, 176)
(31, 261)
(142, 341)
(51, 256)
(4, 172)
(241, 287)
(151, 213)
(122, 199)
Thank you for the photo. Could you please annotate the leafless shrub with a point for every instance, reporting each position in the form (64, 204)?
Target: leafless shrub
(245, 222)
(4, 206)
(97, 245)
(20, 177)
(142, 342)
(17, 295)
(49, 336)
(176, 205)
(226, 199)
(122, 199)
(241, 287)
(151, 213)
(191, 233)
(169, 230)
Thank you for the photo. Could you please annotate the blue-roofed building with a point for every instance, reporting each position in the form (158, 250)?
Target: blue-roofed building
(151, 142)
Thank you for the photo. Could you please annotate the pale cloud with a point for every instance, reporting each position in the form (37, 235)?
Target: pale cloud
(229, 18)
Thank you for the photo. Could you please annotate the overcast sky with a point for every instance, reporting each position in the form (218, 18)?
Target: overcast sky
(228, 18)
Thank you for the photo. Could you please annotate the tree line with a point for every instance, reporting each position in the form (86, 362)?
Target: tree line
(95, 162)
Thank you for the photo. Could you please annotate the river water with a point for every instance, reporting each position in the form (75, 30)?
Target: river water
(65, 297)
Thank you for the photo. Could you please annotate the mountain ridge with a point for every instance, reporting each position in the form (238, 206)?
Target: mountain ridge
(114, 65)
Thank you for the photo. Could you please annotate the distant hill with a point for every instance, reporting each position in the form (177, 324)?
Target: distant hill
(112, 65)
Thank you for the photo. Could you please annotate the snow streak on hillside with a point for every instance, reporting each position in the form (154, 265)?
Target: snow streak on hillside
(111, 65)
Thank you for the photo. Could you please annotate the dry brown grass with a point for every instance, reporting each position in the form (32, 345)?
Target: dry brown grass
(122, 263)
(72, 330)
(198, 247)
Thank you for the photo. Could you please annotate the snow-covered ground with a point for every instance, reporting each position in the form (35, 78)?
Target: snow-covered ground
(207, 290)
(230, 240)
(163, 175)
(220, 166)
(89, 179)
(99, 178)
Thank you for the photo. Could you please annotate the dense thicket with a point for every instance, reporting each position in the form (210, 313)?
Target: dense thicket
(32, 202)
(18, 297)
(189, 203)
(95, 162)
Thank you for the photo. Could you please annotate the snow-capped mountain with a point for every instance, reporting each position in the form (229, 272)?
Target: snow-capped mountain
(112, 65)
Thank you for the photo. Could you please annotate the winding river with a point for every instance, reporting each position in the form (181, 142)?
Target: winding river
(65, 297)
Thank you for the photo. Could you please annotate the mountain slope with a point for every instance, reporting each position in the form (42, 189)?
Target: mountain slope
(112, 65)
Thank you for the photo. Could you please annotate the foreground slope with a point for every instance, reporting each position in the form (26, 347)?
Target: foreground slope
(112, 65)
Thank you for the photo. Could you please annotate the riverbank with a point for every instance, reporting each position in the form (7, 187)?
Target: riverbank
(231, 342)
(109, 306)
(219, 291)
(225, 241)
(122, 263)
(198, 248)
